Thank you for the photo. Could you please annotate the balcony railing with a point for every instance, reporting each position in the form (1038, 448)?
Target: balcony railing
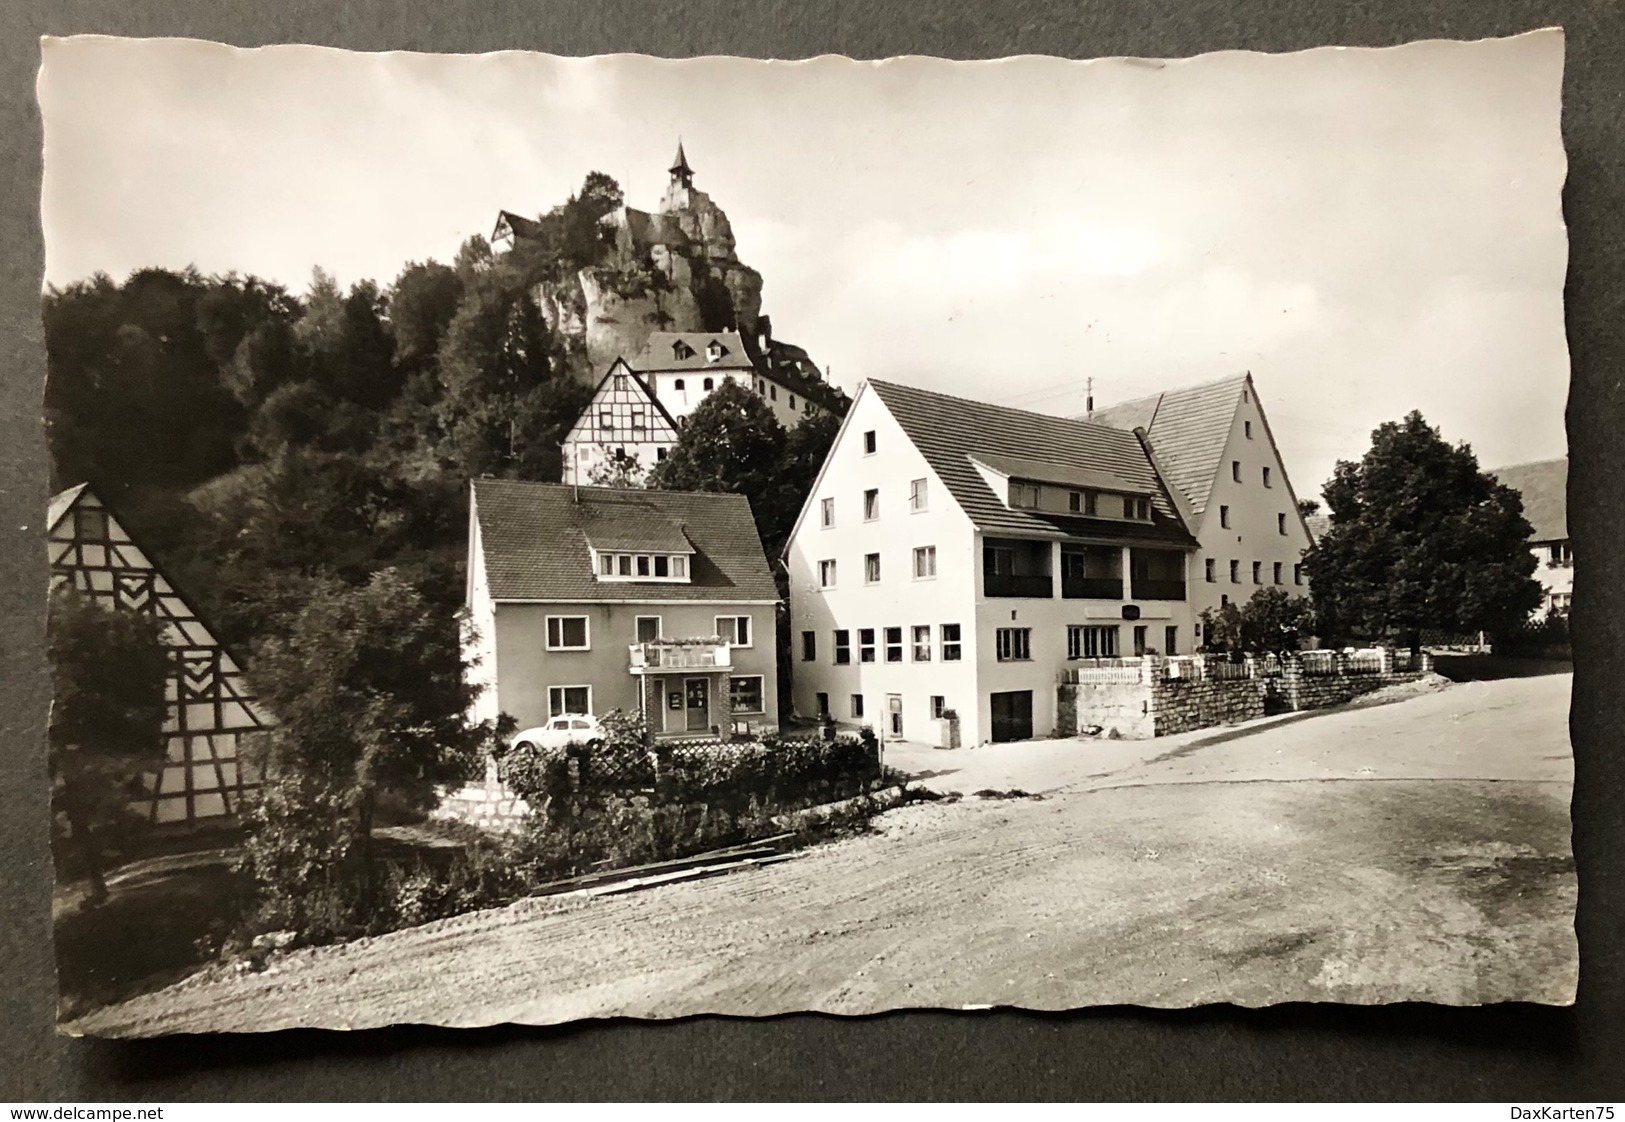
(1091, 588)
(1010, 584)
(658, 655)
(1147, 589)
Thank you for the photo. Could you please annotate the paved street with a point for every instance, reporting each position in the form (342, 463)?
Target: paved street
(1411, 851)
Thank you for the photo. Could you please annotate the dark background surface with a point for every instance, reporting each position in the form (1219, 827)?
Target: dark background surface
(1520, 1054)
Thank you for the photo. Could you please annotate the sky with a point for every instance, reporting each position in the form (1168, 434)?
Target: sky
(1368, 231)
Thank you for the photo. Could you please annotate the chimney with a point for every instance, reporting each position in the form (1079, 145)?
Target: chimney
(1089, 401)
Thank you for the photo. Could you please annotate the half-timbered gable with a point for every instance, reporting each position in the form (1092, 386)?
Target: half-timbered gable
(624, 423)
(210, 706)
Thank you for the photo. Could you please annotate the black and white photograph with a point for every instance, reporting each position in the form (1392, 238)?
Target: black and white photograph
(542, 538)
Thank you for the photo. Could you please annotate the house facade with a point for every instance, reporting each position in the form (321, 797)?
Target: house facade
(956, 556)
(587, 599)
(1543, 487)
(1213, 445)
(210, 707)
(625, 430)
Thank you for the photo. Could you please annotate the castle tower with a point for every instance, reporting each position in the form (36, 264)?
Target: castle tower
(678, 191)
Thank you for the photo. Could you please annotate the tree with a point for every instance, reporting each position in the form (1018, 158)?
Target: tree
(1420, 538)
(732, 442)
(107, 670)
(1271, 622)
(370, 698)
(618, 470)
(1308, 507)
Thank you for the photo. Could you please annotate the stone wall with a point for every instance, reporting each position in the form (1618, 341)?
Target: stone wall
(1183, 704)
(1121, 709)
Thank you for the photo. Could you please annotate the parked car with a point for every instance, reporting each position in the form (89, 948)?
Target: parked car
(563, 731)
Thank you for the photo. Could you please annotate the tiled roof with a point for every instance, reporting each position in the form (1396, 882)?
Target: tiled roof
(654, 229)
(535, 539)
(948, 431)
(1544, 487)
(1188, 429)
(657, 354)
(520, 226)
(1317, 525)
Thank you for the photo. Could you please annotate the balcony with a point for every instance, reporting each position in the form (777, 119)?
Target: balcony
(1013, 584)
(689, 654)
(1145, 588)
(1091, 588)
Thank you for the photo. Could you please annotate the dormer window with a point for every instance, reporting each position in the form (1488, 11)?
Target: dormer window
(642, 567)
(1023, 494)
(680, 351)
(714, 351)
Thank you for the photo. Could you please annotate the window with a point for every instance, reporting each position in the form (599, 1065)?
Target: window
(1131, 507)
(1139, 641)
(90, 525)
(643, 565)
(1224, 517)
(568, 699)
(826, 574)
(1277, 572)
(606, 419)
(734, 630)
(916, 495)
(681, 350)
(1258, 572)
(922, 642)
(950, 642)
(1142, 509)
(1266, 477)
(857, 705)
(939, 706)
(566, 633)
(1090, 641)
(1013, 644)
(637, 417)
(809, 646)
(1247, 427)
(714, 351)
(925, 562)
(866, 644)
(648, 628)
(679, 567)
(620, 381)
(871, 505)
(1297, 574)
(745, 694)
(677, 385)
(792, 401)
(1024, 495)
(1091, 502)
(1280, 523)
(662, 566)
(1235, 470)
(761, 385)
(606, 564)
(869, 443)
(1170, 639)
(709, 383)
(871, 568)
(1211, 567)
(1074, 501)
(660, 454)
(1235, 572)
(1562, 555)
(826, 513)
(843, 648)
(773, 393)
(894, 644)
(823, 704)
(623, 565)
(1224, 601)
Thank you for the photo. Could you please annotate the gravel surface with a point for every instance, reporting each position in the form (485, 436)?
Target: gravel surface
(1414, 851)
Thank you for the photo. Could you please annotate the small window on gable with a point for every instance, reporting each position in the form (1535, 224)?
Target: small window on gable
(1224, 516)
(637, 417)
(620, 381)
(1280, 523)
(90, 525)
(869, 443)
(606, 419)
(1235, 470)
(1247, 427)
(1267, 477)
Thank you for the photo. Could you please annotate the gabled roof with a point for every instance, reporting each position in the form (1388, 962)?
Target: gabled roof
(60, 505)
(1188, 427)
(584, 423)
(516, 224)
(659, 353)
(535, 539)
(950, 431)
(1544, 487)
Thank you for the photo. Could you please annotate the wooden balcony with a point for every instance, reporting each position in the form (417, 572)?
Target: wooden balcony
(662, 655)
(1091, 588)
(1018, 585)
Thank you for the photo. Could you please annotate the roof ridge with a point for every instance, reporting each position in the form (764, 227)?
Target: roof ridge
(880, 383)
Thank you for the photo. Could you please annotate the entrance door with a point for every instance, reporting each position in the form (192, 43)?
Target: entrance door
(1012, 715)
(697, 701)
(894, 715)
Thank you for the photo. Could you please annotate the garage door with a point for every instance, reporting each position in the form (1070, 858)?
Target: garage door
(1012, 715)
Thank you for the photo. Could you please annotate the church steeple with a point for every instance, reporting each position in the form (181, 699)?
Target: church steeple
(681, 174)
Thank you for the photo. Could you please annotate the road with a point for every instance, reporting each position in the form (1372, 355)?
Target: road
(1413, 851)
